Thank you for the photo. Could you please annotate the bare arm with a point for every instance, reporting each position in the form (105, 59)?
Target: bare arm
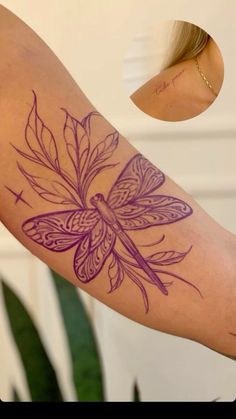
(83, 200)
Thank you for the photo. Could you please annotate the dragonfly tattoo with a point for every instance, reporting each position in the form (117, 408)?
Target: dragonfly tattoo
(99, 227)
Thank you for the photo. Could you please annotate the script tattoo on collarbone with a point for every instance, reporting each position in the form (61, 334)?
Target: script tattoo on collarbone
(167, 84)
(98, 227)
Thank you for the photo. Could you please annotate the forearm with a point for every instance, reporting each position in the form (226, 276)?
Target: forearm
(54, 149)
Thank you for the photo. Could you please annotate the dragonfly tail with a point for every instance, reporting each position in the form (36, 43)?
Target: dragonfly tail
(153, 277)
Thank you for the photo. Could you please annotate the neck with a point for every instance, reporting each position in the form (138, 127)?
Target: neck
(211, 63)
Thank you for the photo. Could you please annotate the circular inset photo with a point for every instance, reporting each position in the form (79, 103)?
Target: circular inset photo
(173, 72)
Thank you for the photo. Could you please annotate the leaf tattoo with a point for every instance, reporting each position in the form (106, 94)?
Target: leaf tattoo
(87, 165)
(95, 227)
(40, 139)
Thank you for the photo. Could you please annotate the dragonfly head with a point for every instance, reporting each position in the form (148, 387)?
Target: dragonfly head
(97, 198)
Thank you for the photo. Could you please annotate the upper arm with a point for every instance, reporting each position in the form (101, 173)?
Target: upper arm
(145, 236)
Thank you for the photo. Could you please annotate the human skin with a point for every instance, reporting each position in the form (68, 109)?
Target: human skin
(179, 92)
(180, 275)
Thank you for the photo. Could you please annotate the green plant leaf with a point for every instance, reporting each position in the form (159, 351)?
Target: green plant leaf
(136, 393)
(86, 364)
(41, 377)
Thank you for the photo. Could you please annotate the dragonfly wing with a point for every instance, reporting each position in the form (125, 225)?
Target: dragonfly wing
(92, 252)
(139, 178)
(59, 231)
(151, 211)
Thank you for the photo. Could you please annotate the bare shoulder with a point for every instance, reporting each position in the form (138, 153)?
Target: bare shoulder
(173, 94)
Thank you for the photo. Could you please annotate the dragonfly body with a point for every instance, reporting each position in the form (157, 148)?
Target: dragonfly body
(108, 215)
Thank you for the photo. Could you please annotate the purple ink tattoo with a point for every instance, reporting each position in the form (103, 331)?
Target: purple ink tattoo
(165, 85)
(18, 196)
(178, 75)
(97, 226)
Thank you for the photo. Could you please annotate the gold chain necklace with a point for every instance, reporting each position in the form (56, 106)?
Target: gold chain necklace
(204, 78)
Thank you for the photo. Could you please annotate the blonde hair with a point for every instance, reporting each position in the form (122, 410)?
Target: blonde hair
(188, 40)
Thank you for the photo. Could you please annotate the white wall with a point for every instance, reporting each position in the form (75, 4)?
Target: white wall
(91, 37)
(146, 54)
